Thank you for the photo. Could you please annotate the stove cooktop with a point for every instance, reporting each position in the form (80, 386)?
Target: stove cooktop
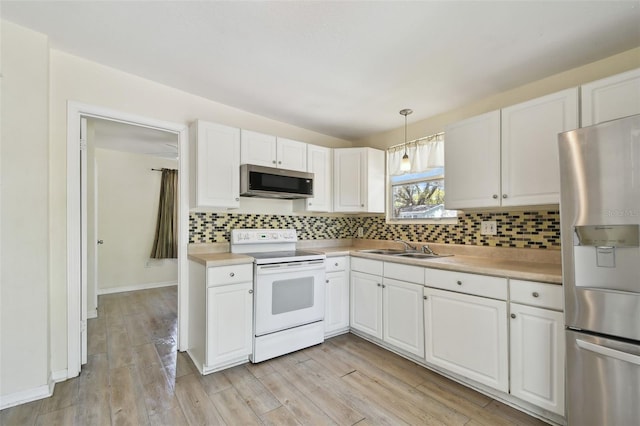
(263, 257)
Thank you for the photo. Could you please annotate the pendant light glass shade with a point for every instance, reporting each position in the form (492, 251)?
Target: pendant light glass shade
(405, 164)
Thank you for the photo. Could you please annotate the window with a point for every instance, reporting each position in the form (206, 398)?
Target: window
(418, 195)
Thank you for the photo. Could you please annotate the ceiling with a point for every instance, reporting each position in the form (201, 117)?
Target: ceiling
(342, 68)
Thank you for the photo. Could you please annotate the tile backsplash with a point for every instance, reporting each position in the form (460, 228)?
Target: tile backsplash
(521, 229)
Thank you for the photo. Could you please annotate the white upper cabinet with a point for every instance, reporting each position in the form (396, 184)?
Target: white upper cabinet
(270, 151)
(214, 152)
(472, 162)
(530, 165)
(610, 98)
(509, 157)
(358, 180)
(319, 161)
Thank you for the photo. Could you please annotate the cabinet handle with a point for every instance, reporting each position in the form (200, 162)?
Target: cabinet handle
(424, 297)
(250, 291)
(379, 284)
(495, 196)
(535, 294)
(459, 282)
(232, 274)
(504, 195)
(513, 315)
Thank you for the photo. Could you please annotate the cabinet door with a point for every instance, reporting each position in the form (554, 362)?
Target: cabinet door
(258, 148)
(319, 163)
(349, 180)
(537, 356)
(467, 335)
(366, 303)
(613, 97)
(530, 165)
(402, 315)
(229, 323)
(291, 155)
(216, 156)
(336, 302)
(472, 162)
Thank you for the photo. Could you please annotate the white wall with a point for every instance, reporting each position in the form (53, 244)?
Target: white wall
(128, 193)
(76, 79)
(24, 215)
(616, 64)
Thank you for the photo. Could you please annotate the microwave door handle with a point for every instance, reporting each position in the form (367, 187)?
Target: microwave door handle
(612, 353)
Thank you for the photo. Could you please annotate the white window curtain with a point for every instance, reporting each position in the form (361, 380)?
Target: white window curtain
(425, 154)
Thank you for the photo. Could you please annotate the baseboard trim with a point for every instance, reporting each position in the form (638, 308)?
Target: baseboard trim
(29, 395)
(92, 313)
(59, 376)
(135, 287)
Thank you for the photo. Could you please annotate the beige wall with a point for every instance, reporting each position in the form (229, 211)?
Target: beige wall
(76, 79)
(613, 65)
(24, 215)
(128, 192)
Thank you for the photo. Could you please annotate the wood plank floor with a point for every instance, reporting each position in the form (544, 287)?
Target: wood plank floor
(135, 376)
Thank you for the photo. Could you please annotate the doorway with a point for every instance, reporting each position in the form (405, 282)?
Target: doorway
(77, 228)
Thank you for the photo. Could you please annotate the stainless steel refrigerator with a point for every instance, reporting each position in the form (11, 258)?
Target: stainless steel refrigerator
(600, 225)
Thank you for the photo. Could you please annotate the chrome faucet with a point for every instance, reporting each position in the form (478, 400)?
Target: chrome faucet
(407, 246)
(426, 249)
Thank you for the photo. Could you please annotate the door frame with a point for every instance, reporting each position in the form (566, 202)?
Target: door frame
(76, 285)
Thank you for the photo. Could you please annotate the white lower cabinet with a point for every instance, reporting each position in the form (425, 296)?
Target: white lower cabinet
(403, 326)
(537, 348)
(467, 335)
(336, 316)
(386, 308)
(366, 303)
(220, 315)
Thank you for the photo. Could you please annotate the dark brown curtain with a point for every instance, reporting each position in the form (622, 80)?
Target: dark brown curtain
(165, 243)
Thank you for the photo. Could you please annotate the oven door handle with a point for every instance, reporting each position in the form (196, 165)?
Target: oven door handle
(290, 267)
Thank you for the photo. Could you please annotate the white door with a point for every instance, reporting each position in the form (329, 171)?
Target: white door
(402, 315)
(537, 356)
(366, 303)
(472, 162)
(348, 179)
(613, 97)
(467, 335)
(229, 323)
(336, 317)
(257, 148)
(83, 241)
(291, 155)
(530, 165)
(319, 163)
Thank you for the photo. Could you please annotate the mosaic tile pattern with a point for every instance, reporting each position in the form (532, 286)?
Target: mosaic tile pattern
(525, 229)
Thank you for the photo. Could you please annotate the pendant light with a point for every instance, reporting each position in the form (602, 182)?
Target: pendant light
(405, 164)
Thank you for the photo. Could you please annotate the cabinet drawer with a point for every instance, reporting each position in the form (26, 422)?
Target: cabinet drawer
(334, 264)
(367, 266)
(410, 273)
(479, 285)
(231, 274)
(536, 294)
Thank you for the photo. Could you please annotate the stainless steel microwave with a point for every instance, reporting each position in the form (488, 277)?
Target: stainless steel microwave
(269, 182)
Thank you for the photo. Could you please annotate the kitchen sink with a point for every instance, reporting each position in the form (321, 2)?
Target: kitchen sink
(422, 255)
(383, 251)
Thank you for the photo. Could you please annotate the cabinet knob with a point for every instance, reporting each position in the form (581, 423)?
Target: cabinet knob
(495, 196)
(504, 195)
(274, 161)
(279, 162)
(310, 203)
(251, 291)
(100, 241)
(384, 286)
(535, 294)
(335, 264)
(424, 297)
(232, 274)
(361, 205)
(513, 315)
(326, 281)
(237, 199)
(459, 282)
(379, 284)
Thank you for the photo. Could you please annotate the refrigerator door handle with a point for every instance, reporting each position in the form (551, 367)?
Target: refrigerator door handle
(603, 350)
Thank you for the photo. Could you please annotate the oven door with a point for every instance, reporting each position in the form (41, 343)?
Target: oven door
(288, 295)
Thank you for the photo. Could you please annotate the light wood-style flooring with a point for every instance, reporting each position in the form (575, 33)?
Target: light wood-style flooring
(135, 376)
